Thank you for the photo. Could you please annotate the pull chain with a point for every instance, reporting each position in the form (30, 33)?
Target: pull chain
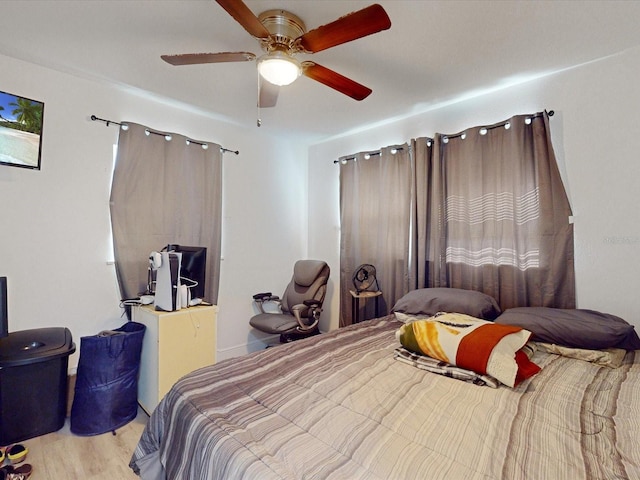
(258, 120)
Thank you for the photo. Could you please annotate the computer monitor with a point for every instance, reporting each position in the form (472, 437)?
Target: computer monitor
(193, 267)
(4, 314)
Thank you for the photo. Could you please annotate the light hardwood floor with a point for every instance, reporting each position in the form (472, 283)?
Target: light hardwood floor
(63, 455)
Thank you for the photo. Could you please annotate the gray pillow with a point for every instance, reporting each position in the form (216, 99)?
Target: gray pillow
(577, 328)
(429, 301)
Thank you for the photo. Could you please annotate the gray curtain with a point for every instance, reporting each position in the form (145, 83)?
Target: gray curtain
(426, 224)
(167, 189)
(493, 215)
(375, 210)
(484, 209)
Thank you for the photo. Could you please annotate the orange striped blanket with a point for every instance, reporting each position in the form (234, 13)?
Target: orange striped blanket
(485, 347)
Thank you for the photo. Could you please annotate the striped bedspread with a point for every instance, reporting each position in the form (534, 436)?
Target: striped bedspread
(338, 406)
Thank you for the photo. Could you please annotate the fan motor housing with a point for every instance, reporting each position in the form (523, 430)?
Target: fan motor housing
(284, 27)
(364, 278)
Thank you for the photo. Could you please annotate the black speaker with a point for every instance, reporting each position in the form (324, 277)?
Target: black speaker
(4, 313)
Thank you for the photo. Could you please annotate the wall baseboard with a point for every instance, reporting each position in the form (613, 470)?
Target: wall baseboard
(250, 347)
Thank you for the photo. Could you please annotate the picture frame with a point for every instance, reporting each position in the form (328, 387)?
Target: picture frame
(21, 123)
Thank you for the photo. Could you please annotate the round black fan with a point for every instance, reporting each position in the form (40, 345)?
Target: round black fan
(365, 277)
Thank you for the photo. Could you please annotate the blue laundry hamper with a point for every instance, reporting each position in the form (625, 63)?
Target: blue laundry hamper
(106, 390)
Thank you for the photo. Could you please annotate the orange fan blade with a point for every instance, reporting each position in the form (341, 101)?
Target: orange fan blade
(352, 26)
(268, 94)
(336, 81)
(245, 17)
(197, 58)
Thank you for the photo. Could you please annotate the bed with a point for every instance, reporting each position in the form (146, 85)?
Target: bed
(341, 406)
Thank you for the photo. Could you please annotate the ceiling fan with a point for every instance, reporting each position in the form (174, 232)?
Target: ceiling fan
(282, 36)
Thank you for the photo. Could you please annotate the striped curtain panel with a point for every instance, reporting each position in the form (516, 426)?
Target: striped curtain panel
(493, 215)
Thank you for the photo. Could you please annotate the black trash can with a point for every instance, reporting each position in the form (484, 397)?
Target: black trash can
(106, 390)
(33, 382)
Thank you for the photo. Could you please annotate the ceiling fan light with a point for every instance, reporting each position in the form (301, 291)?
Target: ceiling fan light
(279, 68)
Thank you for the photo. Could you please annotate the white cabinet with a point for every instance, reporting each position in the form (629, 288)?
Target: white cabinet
(175, 343)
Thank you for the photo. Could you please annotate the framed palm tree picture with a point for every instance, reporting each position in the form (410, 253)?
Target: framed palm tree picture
(21, 121)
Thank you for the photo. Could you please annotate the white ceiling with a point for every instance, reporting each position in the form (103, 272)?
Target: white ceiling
(435, 52)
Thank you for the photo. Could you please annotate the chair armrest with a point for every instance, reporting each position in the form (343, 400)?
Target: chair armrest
(302, 310)
(261, 296)
(265, 297)
(299, 309)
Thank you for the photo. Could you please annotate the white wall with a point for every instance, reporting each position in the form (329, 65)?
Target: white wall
(596, 141)
(54, 223)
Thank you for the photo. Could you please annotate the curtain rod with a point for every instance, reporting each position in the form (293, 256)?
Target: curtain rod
(349, 158)
(124, 126)
(504, 123)
(367, 155)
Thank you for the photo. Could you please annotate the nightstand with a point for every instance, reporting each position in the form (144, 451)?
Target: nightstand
(355, 302)
(174, 344)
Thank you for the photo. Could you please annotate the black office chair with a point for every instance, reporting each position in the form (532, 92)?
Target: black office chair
(300, 306)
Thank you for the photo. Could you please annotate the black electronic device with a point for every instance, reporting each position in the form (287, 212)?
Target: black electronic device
(193, 267)
(4, 311)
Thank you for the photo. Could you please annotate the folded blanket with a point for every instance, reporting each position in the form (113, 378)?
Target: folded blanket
(484, 347)
(442, 368)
